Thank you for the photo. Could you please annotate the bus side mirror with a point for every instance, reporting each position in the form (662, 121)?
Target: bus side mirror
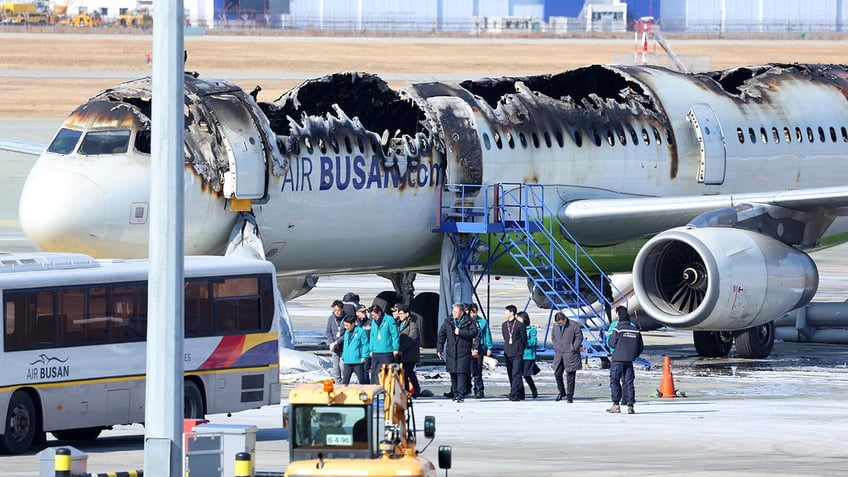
(444, 457)
(286, 411)
(429, 427)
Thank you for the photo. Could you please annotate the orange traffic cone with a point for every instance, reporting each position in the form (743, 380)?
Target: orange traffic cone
(667, 389)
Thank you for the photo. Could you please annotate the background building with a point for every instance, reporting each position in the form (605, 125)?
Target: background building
(498, 16)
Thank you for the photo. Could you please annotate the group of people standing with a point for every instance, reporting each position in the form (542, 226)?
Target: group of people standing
(362, 339)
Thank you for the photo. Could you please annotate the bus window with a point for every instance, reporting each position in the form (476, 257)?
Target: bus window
(198, 313)
(70, 305)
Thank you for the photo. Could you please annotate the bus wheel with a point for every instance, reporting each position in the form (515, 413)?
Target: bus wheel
(82, 434)
(21, 424)
(192, 401)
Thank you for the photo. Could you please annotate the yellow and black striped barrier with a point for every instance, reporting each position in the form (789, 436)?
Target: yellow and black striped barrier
(243, 465)
(127, 473)
(62, 462)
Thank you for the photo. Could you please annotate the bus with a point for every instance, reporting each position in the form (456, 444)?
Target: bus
(73, 351)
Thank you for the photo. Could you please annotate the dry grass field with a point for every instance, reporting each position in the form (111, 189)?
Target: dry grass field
(45, 72)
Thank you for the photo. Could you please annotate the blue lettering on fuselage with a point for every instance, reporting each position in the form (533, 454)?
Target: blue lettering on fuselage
(357, 173)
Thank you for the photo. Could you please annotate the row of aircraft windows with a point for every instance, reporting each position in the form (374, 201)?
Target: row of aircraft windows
(799, 134)
(594, 136)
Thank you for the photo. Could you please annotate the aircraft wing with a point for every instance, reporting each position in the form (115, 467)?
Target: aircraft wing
(607, 221)
(23, 147)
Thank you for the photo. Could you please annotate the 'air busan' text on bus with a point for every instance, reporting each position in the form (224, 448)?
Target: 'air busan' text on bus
(357, 172)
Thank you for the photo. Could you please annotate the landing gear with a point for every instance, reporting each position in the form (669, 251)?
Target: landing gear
(713, 344)
(755, 342)
(426, 305)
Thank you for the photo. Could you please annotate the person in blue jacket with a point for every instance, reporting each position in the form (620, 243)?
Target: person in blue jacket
(354, 351)
(384, 341)
(529, 361)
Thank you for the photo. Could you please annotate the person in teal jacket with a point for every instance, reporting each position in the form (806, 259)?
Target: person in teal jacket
(354, 351)
(530, 366)
(384, 341)
(480, 347)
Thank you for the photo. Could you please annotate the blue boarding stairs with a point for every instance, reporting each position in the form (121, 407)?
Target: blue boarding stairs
(513, 219)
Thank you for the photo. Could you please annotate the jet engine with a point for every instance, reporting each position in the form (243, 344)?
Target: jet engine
(721, 279)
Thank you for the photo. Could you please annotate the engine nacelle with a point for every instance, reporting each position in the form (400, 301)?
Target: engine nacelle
(293, 287)
(721, 279)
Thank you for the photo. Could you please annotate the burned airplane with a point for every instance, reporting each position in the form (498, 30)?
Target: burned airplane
(709, 186)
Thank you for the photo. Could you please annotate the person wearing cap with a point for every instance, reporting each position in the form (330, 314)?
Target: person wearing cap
(453, 345)
(480, 347)
(334, 332)
(567, 342)
(383, 341)
(354, 352)
(410, 346)
(626, 342)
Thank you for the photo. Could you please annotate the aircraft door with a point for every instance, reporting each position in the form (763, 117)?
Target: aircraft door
(462, 144)
(711, 142)
(246, 177)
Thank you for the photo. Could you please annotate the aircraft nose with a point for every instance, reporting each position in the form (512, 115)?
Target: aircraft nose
(62, 211)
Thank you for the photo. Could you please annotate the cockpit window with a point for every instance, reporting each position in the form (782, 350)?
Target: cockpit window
(105, 142)
(65, 141)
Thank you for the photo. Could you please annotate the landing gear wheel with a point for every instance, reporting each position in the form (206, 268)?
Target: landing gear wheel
(83, 434)
(712, 344)
(755, 342)
(426, 305)
(21, 424)
(386, 300)
(192, 401)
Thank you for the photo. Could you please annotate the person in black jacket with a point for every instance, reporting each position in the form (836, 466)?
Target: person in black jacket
(626, 343)
(409, 352)
(515, 340)
(453, 345)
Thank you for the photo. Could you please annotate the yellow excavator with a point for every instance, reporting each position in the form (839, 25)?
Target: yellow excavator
(358, 429)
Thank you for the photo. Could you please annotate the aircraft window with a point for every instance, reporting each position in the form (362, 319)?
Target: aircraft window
(559, 139)
(595, 136)
(578, 139)
(142, 141)
(105, 142)
(844, 134)
(821, 134)
(360, 145)
(547, 139)
(535, 138)
(322, 147)
(633, 135)
(832, 134)
(348, 145)
(752, 135)
(375, 144)
(334, 144)
(668, 137)
(787, 135)
(810, 136)
(763, 135)
(657, 137)
(510, 141)
(775, 135)
(798, 134)
(65, 141)
(741, 135)
(486, 141)
(308, 143)
(645, 137)
(498, 141)
(523, 139)
(610, 137)
(622, 138)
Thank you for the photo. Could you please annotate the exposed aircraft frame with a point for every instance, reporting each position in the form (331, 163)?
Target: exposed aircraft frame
(734, 171)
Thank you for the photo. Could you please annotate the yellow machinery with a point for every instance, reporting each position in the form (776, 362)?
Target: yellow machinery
(85, 19)
(135, 18)
(357, 430)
